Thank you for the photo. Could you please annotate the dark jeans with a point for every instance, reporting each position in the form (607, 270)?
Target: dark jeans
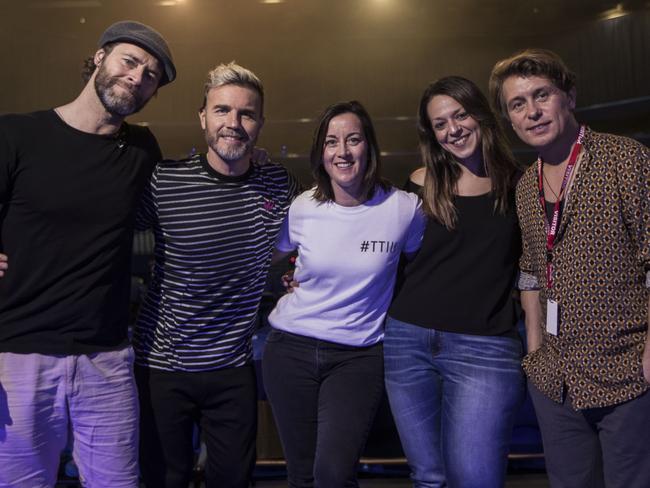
(324, 398)
(222, 402)
(595, 447)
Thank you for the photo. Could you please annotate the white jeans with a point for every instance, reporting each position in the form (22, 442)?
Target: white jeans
(44, 397)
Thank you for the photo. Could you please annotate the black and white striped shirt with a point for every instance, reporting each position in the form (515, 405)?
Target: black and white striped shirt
(214, 240)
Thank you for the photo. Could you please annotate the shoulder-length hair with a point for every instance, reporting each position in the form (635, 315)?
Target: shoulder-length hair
(442, 169)
(372, 177)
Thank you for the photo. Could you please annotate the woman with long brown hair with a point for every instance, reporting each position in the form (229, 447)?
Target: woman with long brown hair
(452, 353)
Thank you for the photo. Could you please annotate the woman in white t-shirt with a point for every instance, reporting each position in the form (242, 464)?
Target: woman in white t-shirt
(322, 364)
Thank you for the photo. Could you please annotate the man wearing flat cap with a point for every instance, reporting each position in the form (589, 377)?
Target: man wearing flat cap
(70, 181)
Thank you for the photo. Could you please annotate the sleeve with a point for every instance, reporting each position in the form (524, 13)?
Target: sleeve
(284, 242)
(294, 188)
(416, 229)
(526, 280)
(147, 211)
(634, 188)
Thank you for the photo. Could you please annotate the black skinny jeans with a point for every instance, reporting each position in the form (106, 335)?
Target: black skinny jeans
(223, 402)
(324, 398)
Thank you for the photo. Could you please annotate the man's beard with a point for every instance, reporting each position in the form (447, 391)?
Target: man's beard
(227, 152)
(114, 103)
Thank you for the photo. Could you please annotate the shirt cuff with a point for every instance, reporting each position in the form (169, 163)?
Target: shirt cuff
(527, 282)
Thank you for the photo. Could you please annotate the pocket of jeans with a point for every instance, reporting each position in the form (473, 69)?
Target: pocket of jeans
(491, 347)
(128, 355)
(395, 331)
(515, 346)
(274, 336)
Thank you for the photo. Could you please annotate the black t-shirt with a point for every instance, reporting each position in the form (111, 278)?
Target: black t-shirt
(462, 280)
(68, 208)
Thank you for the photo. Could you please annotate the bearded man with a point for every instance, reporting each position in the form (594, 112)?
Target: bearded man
(215, 217)
(70, 181)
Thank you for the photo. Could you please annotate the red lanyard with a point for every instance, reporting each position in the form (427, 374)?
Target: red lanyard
(551, 227)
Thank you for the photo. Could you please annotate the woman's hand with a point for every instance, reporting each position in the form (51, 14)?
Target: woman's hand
(288, 282)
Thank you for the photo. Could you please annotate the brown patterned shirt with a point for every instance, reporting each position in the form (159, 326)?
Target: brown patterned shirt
(601, 263)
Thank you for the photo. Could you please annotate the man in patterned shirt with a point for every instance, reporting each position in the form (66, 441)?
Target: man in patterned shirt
(215, 217)
(584, 211)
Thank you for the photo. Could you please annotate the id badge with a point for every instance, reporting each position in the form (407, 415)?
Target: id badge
(552, 317)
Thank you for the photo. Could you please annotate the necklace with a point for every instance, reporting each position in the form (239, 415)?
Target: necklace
(550, 187)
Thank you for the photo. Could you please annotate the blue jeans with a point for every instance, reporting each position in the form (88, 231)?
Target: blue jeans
(454, 398)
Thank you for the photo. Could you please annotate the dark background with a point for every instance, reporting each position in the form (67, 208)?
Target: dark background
(310, 53)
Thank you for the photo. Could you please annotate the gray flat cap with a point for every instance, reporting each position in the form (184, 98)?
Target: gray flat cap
(147, 38)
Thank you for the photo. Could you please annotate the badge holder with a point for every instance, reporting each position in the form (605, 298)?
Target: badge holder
(552, 317)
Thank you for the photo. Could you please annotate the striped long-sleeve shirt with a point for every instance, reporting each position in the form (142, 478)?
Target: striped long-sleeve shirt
(214, 239)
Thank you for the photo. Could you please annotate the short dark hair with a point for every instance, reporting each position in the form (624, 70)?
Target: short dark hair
(89, 66)
(529, 62)
(372, 178)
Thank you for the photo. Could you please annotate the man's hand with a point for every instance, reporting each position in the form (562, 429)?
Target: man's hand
(3, 264)
(533, 319)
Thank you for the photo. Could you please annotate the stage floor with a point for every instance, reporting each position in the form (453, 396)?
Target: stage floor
(517, 480)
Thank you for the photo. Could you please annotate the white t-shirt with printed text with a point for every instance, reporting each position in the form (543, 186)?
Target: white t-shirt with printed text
(346, 265)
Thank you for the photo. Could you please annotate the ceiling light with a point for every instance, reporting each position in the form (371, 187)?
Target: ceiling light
(614, 13)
